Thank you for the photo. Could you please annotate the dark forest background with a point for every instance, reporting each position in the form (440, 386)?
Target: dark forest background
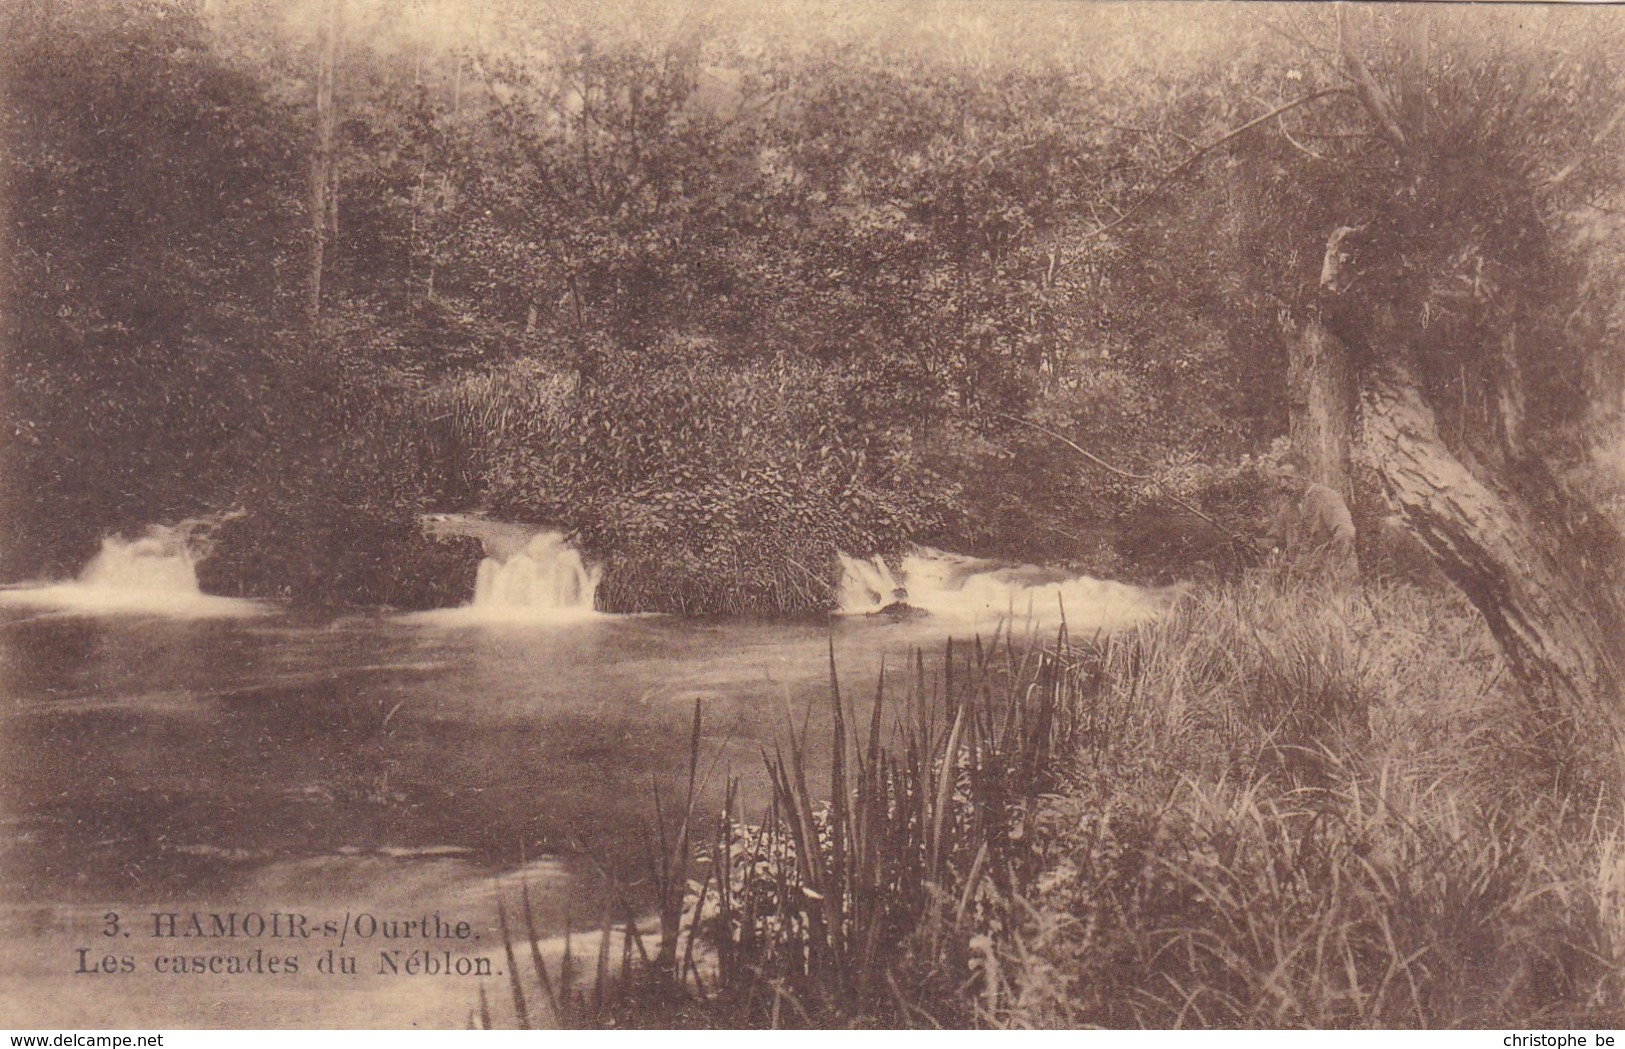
(724, 289)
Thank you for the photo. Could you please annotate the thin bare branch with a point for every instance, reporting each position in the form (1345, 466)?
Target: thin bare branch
(1297, 36)
(1235, 537)
(1299, 146)
(1366, 88)
(1184, 165)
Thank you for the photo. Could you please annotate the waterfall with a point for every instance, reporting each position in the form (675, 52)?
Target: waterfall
(545, 578)
(157, 563)
(529, 575)
(868, 586)
(980, 593)
(155, 574)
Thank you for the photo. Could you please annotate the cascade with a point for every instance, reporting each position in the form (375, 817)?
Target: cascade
(153, 574)
(529, 574)
(545, 576)
(978, 592)
(868, 586)
(157, 563)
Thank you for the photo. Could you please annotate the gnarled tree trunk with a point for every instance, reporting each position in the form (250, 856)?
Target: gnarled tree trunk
(1531, 556)
(1557, 628)
(1358, 406)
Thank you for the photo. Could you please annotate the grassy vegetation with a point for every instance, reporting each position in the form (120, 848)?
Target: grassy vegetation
(1285, 804)
(1297, 806)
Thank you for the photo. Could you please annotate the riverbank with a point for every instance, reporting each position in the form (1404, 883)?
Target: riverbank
(1282, 805)
(1317, 809)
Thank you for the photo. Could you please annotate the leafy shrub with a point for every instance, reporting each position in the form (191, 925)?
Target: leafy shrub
(330, 554)
(704, 484)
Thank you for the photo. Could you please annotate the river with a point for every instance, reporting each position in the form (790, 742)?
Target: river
(329, 779)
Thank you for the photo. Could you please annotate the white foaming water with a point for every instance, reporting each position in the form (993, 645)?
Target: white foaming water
(868, 586)
(547, 576)
(153, 575)
(539, 580)
(155, 564)
(968, 590)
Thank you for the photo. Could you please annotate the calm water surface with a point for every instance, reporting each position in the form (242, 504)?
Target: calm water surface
(392, 766)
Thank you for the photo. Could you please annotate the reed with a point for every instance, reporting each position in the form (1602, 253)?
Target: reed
(860, 903)
(855, 901)
(1284, 804)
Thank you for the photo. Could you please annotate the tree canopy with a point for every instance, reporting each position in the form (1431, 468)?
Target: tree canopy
(724, 289)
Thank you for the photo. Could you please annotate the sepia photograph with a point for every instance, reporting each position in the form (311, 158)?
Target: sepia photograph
(811, 514)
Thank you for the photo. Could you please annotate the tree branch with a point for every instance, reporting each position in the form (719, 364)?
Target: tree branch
(1235, 537)
(1299, 37)
(1366, 88)
(1295, 144)
(1184, 165)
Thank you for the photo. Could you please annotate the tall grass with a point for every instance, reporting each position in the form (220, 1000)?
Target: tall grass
(1285, 804)
(1298, 806)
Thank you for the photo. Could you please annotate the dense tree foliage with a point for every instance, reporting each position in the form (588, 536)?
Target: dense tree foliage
(148, 186)
(724, 292)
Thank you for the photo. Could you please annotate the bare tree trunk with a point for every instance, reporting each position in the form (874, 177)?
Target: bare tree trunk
(323, 209)
(1505, 539)
(1320, 392)
(1555, 627)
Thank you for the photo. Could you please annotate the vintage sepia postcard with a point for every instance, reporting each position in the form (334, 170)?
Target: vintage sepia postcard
(753, 514)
